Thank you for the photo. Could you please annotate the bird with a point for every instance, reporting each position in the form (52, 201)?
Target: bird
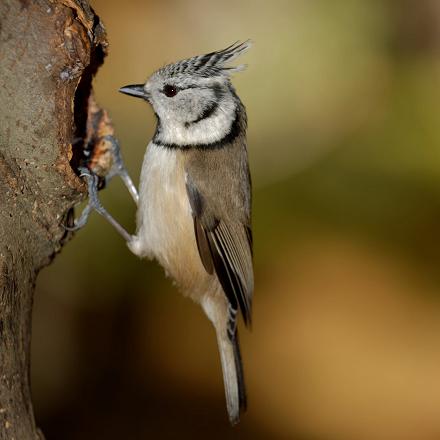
(194, 202)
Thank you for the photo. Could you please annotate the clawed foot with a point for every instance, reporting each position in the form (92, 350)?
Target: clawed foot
(108, 153)
(94, 204)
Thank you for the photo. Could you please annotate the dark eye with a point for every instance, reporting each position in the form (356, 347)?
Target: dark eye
(170, 90)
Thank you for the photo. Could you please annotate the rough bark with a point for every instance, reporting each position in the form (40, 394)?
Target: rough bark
(49, 51)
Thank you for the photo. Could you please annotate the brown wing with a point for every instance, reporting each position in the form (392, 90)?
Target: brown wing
(226, 246)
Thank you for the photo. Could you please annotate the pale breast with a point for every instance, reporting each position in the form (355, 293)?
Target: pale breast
(165, 228)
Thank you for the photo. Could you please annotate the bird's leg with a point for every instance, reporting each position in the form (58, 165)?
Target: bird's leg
(95, 204)
(97, 164)
(81, 221)
(118, 168)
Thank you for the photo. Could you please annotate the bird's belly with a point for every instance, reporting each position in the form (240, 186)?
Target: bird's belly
(165, 228)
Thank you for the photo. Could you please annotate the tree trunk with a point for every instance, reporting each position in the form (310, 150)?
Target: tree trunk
(49, 51)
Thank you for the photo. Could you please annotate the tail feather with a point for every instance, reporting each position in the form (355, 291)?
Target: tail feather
(240, 374)
(233, 376)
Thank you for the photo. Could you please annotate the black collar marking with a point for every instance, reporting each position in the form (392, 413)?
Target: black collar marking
(232, 134)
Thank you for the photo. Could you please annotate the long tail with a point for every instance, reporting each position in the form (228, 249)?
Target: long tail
(233, 376)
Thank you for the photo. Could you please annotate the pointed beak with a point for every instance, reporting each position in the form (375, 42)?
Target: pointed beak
(136, 90)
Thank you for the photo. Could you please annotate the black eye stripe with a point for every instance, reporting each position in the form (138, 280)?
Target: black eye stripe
(216, 88)
(168, 88)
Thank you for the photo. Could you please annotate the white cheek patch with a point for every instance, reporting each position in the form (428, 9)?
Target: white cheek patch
(205, 131)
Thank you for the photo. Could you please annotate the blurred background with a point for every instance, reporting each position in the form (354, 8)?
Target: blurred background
(344, 142)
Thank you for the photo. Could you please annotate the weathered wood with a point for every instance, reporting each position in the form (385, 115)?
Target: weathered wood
(49, 51)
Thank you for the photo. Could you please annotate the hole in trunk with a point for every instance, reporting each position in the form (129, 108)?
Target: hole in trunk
(80, 149)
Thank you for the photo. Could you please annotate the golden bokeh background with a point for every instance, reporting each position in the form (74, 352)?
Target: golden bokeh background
(343, 99)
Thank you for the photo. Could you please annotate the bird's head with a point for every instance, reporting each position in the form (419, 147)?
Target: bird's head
(193, 98)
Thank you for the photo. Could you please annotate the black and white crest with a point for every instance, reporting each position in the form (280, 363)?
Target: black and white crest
(209, 65)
